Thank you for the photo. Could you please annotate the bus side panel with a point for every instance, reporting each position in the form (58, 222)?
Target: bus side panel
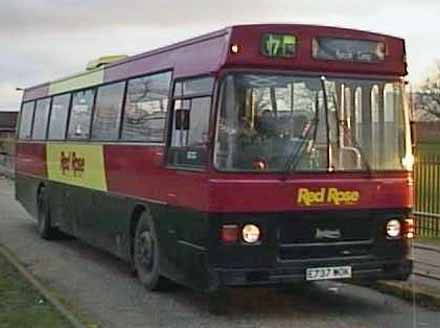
(26, 189)
(134, 170)
(30, 171)
(183, 240)
(61, 207)
(31, 159)
(138, 171)
(104, 220)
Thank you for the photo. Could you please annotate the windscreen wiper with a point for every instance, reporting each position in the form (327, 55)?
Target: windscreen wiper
(294, 157)
(327, 123)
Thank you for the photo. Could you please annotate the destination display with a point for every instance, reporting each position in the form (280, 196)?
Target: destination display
(327, 48)
(279, 45)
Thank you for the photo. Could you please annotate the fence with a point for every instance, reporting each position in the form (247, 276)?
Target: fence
(6, 165)
(427, 193)
(7, 151)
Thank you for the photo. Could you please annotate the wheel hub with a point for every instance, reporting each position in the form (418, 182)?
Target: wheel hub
(146, 250)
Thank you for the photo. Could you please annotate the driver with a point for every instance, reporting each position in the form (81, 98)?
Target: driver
(266, 124)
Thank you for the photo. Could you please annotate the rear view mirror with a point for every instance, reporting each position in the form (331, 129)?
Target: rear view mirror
(182, 119)
(413, 125)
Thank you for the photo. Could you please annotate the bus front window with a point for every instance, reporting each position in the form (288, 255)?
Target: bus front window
(279, 123)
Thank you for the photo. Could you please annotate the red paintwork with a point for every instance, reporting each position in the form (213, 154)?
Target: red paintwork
(31, 159)
(249, 39)
(139, 171)
(188, 58)
(136, 171)
(273, 194)
(210, 53)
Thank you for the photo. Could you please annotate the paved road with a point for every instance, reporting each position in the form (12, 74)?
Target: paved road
(104, 290)
(427, 263)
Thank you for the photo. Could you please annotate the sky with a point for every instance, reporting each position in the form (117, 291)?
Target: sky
(42, 40)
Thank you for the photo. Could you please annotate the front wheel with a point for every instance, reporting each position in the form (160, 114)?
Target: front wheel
(147, 254)
(45, 229)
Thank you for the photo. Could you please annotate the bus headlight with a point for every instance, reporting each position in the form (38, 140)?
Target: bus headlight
(251, 233)
(393, 228)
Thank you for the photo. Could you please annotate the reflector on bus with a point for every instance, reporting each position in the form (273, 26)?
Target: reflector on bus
(328, 48)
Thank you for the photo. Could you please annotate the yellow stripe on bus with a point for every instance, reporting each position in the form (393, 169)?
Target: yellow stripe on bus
(79, 165)
(79, 81)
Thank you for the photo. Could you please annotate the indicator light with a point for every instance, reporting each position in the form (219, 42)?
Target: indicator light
(409, 229)
(235, 49)
(230, 233)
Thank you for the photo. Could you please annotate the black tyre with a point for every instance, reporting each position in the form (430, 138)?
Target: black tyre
(45, 229)
(146, 255)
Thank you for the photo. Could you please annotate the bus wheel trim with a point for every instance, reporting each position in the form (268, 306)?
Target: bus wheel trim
(146, 250)
(146, 253)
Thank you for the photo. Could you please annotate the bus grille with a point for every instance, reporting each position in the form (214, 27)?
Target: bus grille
(324, 252)
(310, 230)
(314, 237)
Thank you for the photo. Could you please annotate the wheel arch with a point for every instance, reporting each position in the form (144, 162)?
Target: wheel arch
(41, 186)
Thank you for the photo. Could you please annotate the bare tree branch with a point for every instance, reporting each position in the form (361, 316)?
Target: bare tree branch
(429, 96)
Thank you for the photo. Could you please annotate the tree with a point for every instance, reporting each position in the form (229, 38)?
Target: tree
(428, 98)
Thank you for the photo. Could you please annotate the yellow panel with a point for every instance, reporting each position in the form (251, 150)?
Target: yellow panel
(80, 81)
(79, 165)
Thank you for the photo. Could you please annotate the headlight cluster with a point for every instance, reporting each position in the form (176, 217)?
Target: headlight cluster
(393, 228)
(248, 233)
(396, 228)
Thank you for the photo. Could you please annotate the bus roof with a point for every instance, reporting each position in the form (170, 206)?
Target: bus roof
(211, 52)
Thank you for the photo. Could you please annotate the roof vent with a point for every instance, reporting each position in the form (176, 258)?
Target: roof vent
(102, 61)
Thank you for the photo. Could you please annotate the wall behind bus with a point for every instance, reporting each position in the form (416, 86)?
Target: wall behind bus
(7, 142)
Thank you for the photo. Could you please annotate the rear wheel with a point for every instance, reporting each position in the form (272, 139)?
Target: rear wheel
(45, 229)
(147, 255)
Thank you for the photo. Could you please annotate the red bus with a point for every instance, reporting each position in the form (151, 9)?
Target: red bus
(253, 155)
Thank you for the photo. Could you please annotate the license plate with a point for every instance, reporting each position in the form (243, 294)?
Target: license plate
(328, 273)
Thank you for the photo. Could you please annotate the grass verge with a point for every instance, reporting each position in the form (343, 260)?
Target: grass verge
(423, 295)
(22, 306)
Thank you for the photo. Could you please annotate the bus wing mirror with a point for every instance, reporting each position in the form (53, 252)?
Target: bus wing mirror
(413, 129)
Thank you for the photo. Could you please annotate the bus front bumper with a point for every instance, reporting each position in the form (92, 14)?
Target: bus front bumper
(366, 270)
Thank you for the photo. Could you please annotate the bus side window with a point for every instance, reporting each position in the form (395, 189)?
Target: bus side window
(26, 117)
(58, 117)
(107, 116)
(145, 109)
(80, 115)
(41, 119)
(190, 129)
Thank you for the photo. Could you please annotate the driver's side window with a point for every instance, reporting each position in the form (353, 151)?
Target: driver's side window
(190, 122)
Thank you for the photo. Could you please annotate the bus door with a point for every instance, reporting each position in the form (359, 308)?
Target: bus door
(187, 159)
